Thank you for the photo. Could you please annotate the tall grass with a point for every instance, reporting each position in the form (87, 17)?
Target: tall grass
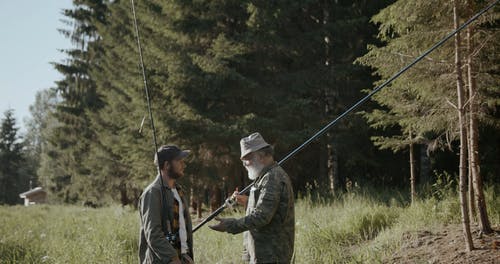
(67, 234)
(331, 232)
(354, 229)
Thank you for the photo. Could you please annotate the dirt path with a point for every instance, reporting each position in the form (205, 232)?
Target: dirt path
(447, 246)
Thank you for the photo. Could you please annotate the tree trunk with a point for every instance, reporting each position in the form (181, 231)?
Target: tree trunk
(332, 166)
(470, 178)
(425, 165)
(329, 165)
(413, 168)
(196, 198)
(123, 195)
(412, 175)
(3, 189)
(463, 138)
(323, 176)
(198, 208)
(484, 223)
(215, 199)
(193, 201)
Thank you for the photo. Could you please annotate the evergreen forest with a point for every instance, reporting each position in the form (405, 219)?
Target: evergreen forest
(219, 70)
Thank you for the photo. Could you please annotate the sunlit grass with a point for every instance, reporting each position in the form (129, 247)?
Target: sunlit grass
(354, 229)
(67, 234)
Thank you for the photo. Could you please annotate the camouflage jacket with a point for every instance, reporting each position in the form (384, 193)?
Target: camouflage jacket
(153, 245)
(269, 220)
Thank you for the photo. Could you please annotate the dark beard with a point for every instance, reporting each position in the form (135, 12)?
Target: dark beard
(172, 174)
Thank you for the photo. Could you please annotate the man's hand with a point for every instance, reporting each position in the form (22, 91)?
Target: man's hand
(222, 225)
(186, 259)
(240, 199)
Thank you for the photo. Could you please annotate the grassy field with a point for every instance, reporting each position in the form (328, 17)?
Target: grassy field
(355, 229)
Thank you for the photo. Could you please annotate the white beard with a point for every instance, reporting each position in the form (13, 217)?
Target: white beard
(254, 170)
(252, 173)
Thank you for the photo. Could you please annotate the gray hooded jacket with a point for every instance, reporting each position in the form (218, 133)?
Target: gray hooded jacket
(153, 245)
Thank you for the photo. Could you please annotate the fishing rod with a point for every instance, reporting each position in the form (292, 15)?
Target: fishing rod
(155, 142)
(141, 60)
(230, 201)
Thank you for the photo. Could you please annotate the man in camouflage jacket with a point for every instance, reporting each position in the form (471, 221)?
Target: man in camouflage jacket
(270, 218)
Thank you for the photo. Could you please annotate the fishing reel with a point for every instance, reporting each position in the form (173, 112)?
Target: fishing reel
(230, 202)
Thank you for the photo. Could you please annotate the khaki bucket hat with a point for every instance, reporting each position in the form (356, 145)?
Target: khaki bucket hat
(252, 143)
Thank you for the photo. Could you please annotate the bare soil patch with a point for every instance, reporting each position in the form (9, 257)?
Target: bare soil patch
(447, 245)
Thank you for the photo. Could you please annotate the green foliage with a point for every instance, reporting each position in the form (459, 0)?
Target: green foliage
(444, 185)
(217, 71)
(493, 201)
(67, 144)
(415, 103)
(418, 102)
(14, 174)
(38, 130)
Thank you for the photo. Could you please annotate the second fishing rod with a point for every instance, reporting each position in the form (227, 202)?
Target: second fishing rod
(230, 201)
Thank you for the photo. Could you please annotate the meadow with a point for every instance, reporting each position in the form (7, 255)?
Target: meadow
(357, 228)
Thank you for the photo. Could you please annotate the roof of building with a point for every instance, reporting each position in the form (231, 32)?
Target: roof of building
(30, 192)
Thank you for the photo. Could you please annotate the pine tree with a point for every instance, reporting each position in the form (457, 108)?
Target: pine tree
(189, 105)
(69, 141)
(463, 133)
(419, 100)
(12, 180)
(217, 71)
(475, 97)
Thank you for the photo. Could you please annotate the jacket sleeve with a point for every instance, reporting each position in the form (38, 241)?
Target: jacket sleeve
(265, 208)
(151, 222)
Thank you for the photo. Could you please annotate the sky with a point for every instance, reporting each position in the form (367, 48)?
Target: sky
(29, 42)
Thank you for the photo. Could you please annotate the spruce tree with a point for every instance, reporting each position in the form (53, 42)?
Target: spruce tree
(419, 102)
(69, 141)
(12, 180)
(217, 71)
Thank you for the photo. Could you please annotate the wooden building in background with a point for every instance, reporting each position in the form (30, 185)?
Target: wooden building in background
(34, 196)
